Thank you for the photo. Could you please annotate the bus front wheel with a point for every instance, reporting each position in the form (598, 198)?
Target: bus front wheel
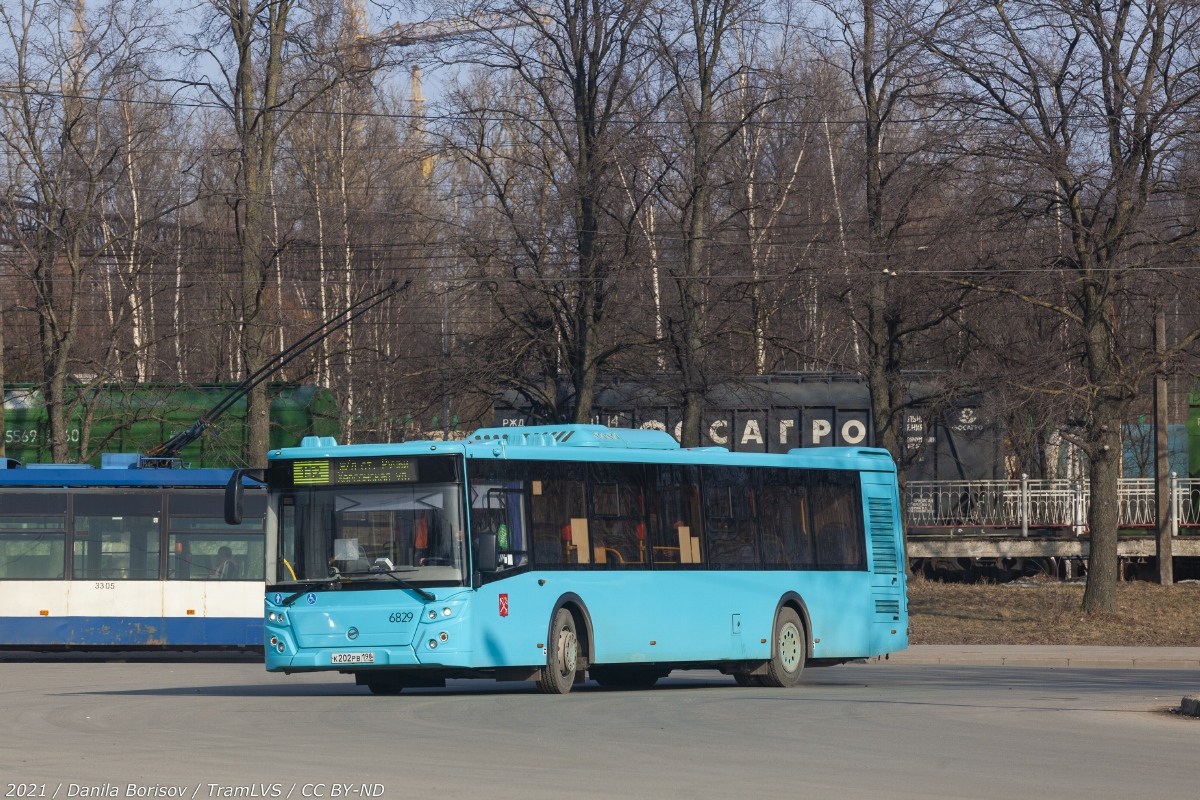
(788, 651)
(562, 655)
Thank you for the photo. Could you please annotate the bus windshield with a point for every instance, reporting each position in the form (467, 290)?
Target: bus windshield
(411, 530)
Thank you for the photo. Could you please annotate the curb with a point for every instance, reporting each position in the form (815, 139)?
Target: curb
(1178, 658)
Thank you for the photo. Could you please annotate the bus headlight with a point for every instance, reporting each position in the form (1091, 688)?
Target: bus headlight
(279, 647)
(433, 644)
(271, 617)
(432, 614)
(446, 612)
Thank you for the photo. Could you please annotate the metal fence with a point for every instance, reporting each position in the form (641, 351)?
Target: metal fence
(1024, 504)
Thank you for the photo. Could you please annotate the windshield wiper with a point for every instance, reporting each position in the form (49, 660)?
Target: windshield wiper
(391, 574)
(291, 598)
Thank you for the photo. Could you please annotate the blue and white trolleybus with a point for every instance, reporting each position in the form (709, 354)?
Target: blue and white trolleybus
(551, 553)
(126, 557)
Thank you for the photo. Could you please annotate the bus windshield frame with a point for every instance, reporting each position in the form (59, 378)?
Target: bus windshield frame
(373, 518)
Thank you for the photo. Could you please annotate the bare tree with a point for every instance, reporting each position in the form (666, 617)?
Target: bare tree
(697, 41)
(573, 69)
(271, 72)
(905, 173)
(1088, 107)
(59, 63)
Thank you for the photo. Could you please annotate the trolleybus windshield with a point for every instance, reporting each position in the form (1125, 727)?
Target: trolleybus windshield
(372, 517)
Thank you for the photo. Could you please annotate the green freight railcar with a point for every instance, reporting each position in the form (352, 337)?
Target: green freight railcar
(1193, 426)
(133, 419)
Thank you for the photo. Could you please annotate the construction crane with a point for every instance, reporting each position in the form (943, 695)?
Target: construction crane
(407, 34)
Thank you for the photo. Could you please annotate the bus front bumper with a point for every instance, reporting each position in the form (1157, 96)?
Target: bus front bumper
(351, 658)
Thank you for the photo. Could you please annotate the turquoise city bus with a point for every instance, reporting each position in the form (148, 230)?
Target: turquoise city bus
(552, 553)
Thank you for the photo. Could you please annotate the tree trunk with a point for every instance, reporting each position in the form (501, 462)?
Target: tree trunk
(1103, 471)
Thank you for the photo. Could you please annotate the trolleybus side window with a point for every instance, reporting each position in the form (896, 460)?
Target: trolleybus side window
(618, 519)
(201, 546)
(32, 536)
(837, 520)
(783, 518)
(116, 535)
(676, 524)
(730, 517)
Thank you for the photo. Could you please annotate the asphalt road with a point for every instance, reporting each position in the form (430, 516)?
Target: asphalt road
(857, 730)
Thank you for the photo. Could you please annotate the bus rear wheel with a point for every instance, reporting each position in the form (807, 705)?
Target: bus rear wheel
(788, 651)
(562, 656)
(625, 677)
(746, 679)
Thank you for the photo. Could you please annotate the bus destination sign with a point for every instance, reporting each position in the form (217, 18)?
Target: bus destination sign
(336, 471)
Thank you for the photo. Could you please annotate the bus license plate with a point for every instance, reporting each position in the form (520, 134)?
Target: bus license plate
(353, 658)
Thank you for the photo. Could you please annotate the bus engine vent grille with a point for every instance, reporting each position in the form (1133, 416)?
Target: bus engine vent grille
(891, 607)
(883, 536)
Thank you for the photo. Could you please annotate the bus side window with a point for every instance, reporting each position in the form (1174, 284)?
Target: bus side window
(730, 516)
(556, 513)
(618, 515)
(676, 524)
(837, 519)
(499, 507)
(783, 516)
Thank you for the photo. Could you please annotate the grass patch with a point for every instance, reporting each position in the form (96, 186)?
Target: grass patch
(1050, 613)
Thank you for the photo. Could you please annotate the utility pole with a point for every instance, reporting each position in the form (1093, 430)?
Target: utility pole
(446, 363)
(1162, 462)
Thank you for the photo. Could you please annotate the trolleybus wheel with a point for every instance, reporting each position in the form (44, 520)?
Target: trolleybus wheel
(625, 677)
(788, 651)
(562, 656)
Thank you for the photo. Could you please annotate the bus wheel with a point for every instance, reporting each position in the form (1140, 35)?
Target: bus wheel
(788, 651)
(562, 658)
(625, 677)
(746, 679)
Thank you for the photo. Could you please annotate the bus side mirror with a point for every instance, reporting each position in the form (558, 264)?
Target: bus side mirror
(485, 552)
(234, 493)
